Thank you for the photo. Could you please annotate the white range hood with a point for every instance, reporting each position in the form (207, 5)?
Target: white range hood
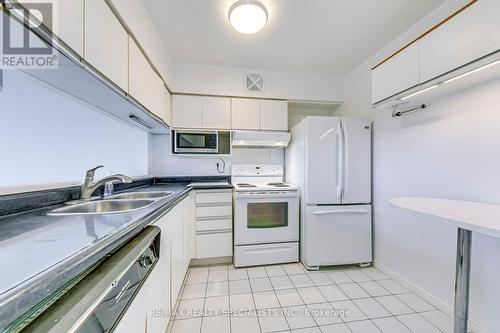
(259, 139)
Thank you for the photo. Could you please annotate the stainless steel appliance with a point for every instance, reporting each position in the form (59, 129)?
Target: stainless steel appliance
(97, 303)
(195, 142)
(266, 216)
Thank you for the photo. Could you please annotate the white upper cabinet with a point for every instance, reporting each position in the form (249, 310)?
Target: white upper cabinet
(245, 114)
(466, 37)
(222, 113)
(67, 22)
(187, 111)
(70, 23)
(167, 111)
(397, 74)
(273, 115)
(146, 86)
(216, 112)
(106, 42)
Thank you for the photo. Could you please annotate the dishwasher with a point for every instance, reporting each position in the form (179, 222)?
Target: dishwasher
(97, 303)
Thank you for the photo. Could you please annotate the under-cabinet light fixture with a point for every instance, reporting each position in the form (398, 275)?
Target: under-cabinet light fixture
(140, 121)
(473, 71)
(419, 92)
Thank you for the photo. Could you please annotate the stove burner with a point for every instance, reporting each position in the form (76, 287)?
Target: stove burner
(278, 184)
(246, 185)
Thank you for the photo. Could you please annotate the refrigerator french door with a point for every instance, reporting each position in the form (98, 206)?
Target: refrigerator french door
(330, 159)
(337, 161)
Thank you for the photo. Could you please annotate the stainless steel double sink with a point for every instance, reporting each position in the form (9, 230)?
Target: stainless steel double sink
(118, 203)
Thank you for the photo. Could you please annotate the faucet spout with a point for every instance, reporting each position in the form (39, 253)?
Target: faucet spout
(89, 186)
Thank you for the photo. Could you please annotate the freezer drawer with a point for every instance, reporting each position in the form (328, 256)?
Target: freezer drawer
(336, 235)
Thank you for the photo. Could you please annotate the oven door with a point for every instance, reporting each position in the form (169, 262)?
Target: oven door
(266, 217)
(196, 142)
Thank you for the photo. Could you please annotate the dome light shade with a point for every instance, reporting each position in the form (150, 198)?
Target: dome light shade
(248, 16)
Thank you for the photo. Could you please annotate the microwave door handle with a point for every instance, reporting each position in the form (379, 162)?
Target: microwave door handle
(340, 211)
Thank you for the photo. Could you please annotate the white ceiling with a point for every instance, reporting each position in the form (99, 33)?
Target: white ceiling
(306, 36)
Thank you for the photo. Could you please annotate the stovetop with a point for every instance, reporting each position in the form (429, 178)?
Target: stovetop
(259, 177)
(276, 186)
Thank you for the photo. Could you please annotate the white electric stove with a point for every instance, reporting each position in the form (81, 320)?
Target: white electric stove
(266, 216)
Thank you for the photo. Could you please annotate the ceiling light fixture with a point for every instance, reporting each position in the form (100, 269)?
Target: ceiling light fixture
(248, 16)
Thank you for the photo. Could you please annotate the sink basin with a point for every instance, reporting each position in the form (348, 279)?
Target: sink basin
(102, 207)
(142, 195)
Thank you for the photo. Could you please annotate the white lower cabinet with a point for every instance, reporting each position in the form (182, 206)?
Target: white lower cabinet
(213, 245)
(177, 243)
(214, 236)
(189, 229)
(159, 306)
(176, 251)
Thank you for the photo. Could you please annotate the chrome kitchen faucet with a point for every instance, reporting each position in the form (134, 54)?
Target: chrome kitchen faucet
(89, 186)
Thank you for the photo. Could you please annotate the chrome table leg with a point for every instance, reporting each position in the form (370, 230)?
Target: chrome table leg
(462, 281)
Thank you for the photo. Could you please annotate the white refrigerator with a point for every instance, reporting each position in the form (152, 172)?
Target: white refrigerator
(329, 158)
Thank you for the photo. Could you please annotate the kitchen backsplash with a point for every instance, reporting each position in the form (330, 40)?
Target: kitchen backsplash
(161, 162)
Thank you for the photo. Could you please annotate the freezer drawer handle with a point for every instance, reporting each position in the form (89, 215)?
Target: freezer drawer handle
(344, 211)
(273, 250)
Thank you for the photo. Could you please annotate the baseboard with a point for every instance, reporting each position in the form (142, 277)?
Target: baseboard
(474, 327)
(211, 261)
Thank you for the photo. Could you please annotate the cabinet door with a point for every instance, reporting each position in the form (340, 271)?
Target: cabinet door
(68, 22)
(143, 85)
(189, 229)
(166, 114)
(399, 73)
(273, 115)
(187, 111)
(106, 42)
(213, 245)
(178, 271)
(159, 281)
(216, 112)
(466, 37)
(134, 319)
(245, 114)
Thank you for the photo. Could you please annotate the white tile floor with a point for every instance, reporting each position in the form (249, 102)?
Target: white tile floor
(287, 298)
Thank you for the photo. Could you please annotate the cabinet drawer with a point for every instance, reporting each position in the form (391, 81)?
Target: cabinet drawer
(218, 224)
(213, 197)
(214, 245)
(214, 211)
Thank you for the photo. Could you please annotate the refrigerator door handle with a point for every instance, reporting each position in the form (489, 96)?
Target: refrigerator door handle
(345, 159)
(342, 211)
(340, 187)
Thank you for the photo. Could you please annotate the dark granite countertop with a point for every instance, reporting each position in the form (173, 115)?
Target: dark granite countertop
(39, 253)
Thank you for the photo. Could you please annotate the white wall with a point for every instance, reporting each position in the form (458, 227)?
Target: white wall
(448, 151)
(48, 138)
(214, 80)
(164, 164)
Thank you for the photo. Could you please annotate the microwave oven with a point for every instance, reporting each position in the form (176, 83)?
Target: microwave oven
(196, 142)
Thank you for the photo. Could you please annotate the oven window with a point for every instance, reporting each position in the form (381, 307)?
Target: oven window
(267, 215)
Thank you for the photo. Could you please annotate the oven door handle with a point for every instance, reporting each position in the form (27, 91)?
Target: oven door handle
(267, 195)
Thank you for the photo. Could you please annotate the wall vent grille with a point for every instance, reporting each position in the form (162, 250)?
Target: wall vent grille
(255, 82)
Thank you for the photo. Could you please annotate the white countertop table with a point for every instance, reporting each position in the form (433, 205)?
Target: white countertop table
(468, 217)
